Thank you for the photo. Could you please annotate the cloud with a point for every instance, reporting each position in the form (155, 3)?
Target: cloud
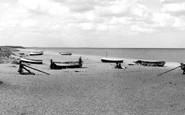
(179, 23)
(114, 8)
(81, 5)
(78, 5)
(51, 22)
(28, 23)
(143, 29)
(174, 7)
(11, 15)
(171, 1)
(174, 13)
(96, 15)
(162, 20)
(44, 7)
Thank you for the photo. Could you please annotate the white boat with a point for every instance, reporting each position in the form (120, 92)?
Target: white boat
(33, 61)
(65, 53)
(33, 53)
(111, 60)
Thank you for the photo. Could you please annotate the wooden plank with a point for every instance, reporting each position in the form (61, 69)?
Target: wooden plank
(168, 71)
(36, 69)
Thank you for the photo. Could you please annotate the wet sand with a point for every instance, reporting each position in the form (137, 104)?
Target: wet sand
(97, 88)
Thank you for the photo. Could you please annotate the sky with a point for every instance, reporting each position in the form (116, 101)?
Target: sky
(93, 23)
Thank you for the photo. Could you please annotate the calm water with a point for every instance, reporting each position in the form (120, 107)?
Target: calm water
(171, 55)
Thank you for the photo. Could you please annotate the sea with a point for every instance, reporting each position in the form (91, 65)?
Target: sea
(162, 54)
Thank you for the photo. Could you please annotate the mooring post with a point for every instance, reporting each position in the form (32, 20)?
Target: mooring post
(183, 68)
(20, 70)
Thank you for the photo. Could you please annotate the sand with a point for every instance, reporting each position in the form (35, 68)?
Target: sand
(96, 89)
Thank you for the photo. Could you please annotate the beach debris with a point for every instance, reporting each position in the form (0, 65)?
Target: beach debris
(131, 64)
(23, 66)
(77, 71)
(118, 66)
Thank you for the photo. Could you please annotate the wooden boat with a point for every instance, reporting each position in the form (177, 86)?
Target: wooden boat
(111, 60)
(34, 53)
(64, 65)
(150, 63)
(32, 61)
(65, 53)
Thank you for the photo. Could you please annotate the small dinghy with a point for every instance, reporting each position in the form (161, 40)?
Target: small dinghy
(35, 53)
(111, 60)
(64, 65)
(150, 63)
(65, 53)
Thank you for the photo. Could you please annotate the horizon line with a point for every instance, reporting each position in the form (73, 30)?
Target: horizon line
(92, 47)
(111, 47)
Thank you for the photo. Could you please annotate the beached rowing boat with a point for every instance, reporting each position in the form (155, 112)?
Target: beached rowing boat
(150, 63)
(111, 60)
(65, 53)
(32, 61)
(34, 53)
(64, 65)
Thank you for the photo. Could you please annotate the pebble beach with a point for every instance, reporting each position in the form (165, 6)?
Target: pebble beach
(95, 89)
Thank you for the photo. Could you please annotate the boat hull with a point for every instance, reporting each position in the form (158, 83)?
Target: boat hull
(111, 60)
(36, 53)
(151, 63)
(32, 61)
(65, 53)
(65, 65)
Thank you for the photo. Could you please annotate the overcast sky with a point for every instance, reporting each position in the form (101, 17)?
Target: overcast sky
(93, 23)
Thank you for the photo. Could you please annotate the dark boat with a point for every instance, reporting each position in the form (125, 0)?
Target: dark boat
(111, 60)
(32, 61)
(64, 65)
(65, 53)
(150, 63)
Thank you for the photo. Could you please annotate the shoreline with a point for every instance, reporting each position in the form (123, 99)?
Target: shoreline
(97, 88)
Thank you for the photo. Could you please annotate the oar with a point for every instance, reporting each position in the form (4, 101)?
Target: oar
(36, 69)
(168, 70)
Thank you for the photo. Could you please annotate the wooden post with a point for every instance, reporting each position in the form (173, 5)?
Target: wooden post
(20, 70)
(51, 65)
(21, 67)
